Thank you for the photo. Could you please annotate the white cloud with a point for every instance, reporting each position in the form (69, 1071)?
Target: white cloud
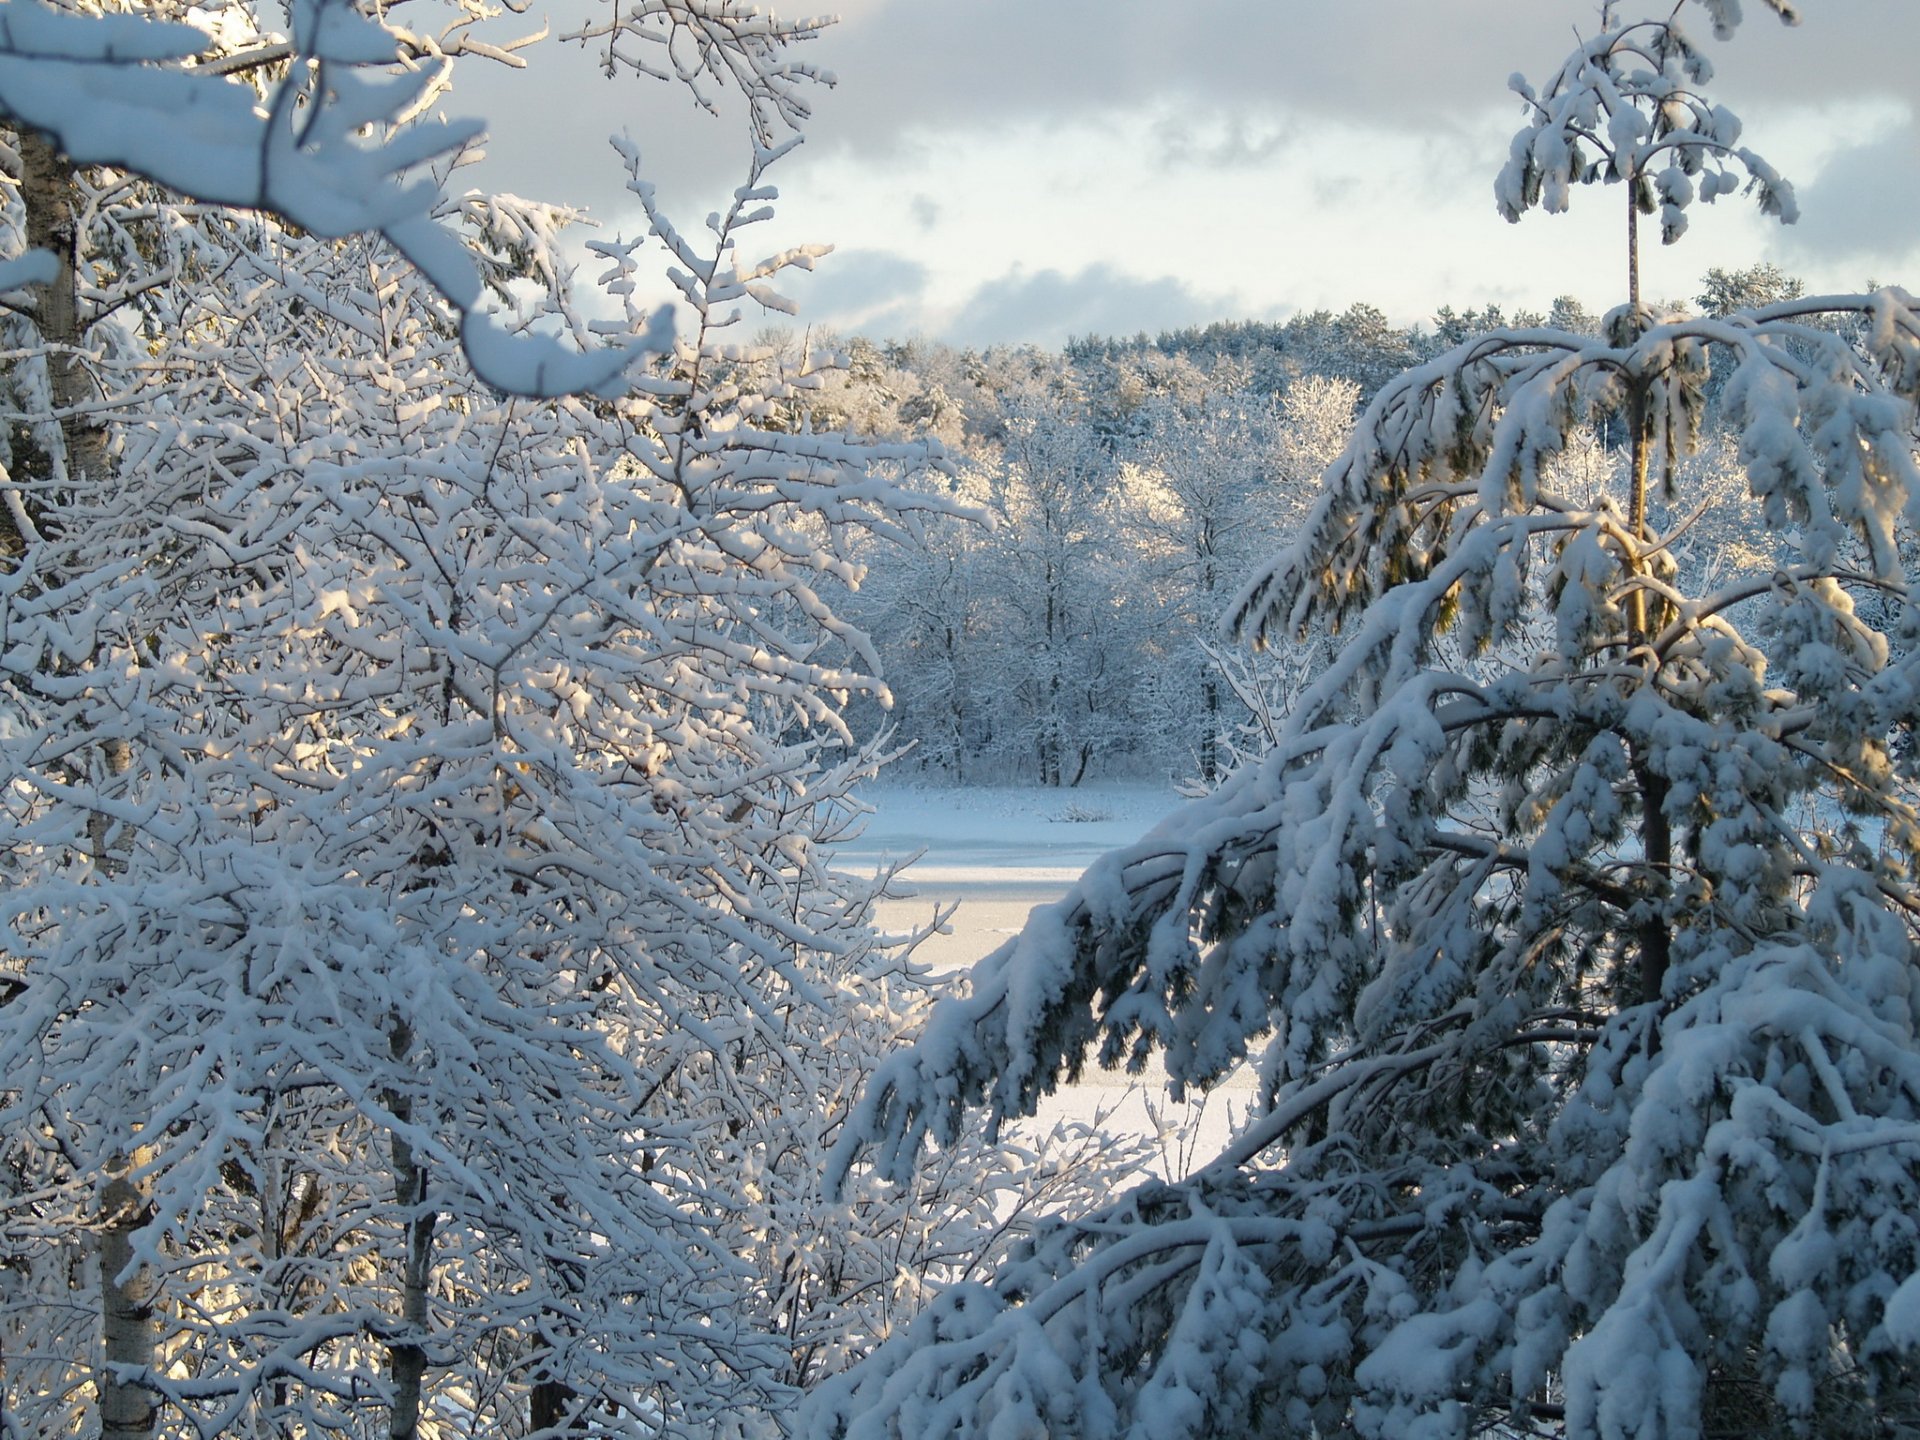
(1861, 208)
(1234, 139)
(872, 292)
(1047, 307)
(1228, 152)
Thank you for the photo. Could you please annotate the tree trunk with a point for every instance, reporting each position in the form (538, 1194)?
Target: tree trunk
(1209, 674)
(1656, 833)
(1053, 727)
(548, 1405)
(406, 1356)
(406, 1351)
(1210, 731)
(956, 706)
(1636, 420)
(127, 1409)
(48, 192)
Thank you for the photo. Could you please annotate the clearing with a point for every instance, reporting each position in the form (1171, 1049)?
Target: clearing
(998, 851)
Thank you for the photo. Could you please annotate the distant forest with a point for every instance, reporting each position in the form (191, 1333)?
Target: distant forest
(1119, 493)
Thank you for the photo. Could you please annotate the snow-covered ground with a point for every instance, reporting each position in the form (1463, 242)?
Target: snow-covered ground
(996, 852)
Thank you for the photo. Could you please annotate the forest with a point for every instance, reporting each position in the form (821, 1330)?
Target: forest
(1063, 626)
(435, 680)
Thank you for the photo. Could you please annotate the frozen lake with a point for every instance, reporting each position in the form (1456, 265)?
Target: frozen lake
(998, 851)
(995, 853)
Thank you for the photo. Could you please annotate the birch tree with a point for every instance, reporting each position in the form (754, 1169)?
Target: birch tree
(418, 926)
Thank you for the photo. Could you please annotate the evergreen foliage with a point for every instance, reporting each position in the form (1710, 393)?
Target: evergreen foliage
(1568, 923)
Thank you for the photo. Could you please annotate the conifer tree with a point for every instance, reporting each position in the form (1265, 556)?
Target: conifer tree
(1569, 925)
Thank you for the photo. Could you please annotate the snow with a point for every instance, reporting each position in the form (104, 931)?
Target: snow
(994, 851)
(992, 841)
(91, 82)
(997, 852)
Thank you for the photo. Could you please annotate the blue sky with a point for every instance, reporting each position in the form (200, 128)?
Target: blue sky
(1024, 170)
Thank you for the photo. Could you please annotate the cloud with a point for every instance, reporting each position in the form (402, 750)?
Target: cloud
(1048, 306)
(921, 80)
(1839, 51)
(1221, 140)
(1242, 151)
(872, 292)
(1330, 191)
(549, 126)
(937, 65)
(1864, 207)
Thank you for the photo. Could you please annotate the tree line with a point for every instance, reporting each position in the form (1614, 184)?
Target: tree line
(1063, 623)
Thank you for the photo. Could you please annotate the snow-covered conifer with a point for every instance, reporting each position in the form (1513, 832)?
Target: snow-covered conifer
(1568, 924)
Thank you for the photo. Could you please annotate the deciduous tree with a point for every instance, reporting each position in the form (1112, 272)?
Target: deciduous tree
(419, 943)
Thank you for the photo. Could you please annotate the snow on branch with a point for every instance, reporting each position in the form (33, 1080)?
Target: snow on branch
(711, 46)
(1627, 107)
(1497, 1153)
(123, 91)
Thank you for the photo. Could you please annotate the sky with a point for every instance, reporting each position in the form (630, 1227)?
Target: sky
(1010, 171)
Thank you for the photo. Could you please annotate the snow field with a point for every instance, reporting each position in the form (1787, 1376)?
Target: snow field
(995, 852)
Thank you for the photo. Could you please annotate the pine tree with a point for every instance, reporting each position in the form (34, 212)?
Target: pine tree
(1569, 923)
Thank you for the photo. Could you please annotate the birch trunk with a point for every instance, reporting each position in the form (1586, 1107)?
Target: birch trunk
(49, 193)
(406, 1351)
(127, 1408)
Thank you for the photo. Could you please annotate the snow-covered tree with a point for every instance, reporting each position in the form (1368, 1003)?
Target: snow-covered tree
(453, 838)
(1569, 924)
(328, 125)
(1134, 493)
(1215, 481)
(1724, 291)
(1192, 504)
(424, 996)
(1315, 418)
(930, 606)
(1058, 590)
